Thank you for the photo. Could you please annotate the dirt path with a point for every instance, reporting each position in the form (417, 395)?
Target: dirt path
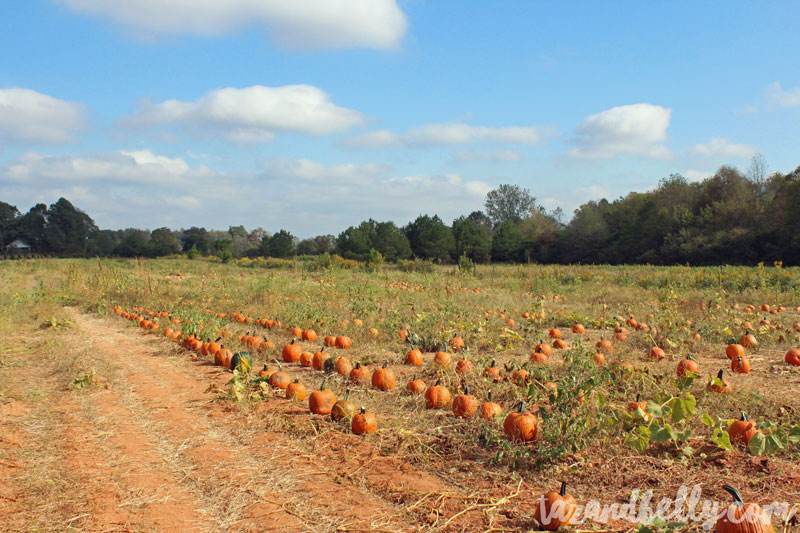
(148, 449)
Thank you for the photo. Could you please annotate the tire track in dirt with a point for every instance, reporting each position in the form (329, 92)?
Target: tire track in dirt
(248, 479)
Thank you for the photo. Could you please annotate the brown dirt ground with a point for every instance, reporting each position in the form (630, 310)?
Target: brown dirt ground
(148, 448)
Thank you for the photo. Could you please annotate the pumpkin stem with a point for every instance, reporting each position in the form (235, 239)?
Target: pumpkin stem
(563, 491)
(744, 417)
(385, 364)
(466, 390)
(719, 374)
(438, 382)
(363, 410)
(737, 498)
(218, 339)
(521, 407)
(638, 397)
(358, 365)
(265, 367)
(279, 364)
(322, 385)
(493, 363)
(489, 397)
(689, 357)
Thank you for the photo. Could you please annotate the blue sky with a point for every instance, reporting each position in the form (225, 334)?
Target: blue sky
(312, 115)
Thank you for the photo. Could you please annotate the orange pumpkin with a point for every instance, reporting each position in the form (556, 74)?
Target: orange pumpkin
(555, 509)
(414, 358)
(520, 426)
(383, 378)
(437, 396)
(465, 405)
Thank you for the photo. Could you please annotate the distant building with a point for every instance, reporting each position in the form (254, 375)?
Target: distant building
(19, 246)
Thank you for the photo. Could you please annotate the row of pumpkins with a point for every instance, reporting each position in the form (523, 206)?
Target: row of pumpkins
(554, 509)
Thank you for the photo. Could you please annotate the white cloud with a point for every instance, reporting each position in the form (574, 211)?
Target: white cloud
(27, 116)
(300, 24)
(495, 156)
(452, 133)
(719, 147)
(252, 114)
(147, 190)
(697, 175)
(636, 129)
(777, 95)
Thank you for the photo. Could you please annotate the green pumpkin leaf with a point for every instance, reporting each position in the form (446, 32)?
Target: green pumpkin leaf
(682, 408)
(654, 409)
(707, 420)
(662, 434)
(722, 439)
(684, 435)
(776, 441)
(757, 444)
(794, 435)
(639, 439)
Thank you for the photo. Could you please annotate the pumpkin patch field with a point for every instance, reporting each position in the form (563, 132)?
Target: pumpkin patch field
(192, 395)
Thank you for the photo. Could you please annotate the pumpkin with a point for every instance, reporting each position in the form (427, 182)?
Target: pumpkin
(343, 342)
(604, 345)
(554, 333)
(748, 340)
(415, 386)
(383, 378)
(719, 384)
(463, 367)
(296, 331)
(539, 358)
(520, 377)
(465, 405)
(265, 372)
(241, 361)
(329, 340)
(559, 344)
(359, 374)
(657, 354)
(318, 361)
(414, 358)
(519, 425)
(578, 329)
(364, 423)
(321, 401)
(437, 396)
(306, 359)
(740, 365)
(291, 352)
(343, 409)
(309, 335)
(456, 343)
(633, 407)
(279, 379)
(543, 348)
(742, 430)
(343, 366)
(742, 518)
(599, 358)
(734, 350)
(492, 372)
(555, 509)
(266, 345)
(792, 357)
(489, 409)
(687, 365)
(442, 359)
(297, 391)
(223, 357)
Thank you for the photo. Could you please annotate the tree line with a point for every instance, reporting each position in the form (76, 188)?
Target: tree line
(728, 218)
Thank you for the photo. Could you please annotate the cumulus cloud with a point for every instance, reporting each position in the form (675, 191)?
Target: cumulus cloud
(719, 147)
(139, 188)
(252, 114)
(698, 175)
(27, 116)
(452, 133)
(779, 96)
(494, 156)
(637, 129)
(299, 24)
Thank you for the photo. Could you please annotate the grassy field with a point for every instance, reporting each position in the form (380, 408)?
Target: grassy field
(107, 426)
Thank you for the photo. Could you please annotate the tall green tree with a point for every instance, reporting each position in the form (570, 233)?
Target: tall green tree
(508, 202)
(281, 245)
(163, 242)
(471, 239)
(507, 243)
(8, 223)
(67, 229)
(430, 238)
(196, 238)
